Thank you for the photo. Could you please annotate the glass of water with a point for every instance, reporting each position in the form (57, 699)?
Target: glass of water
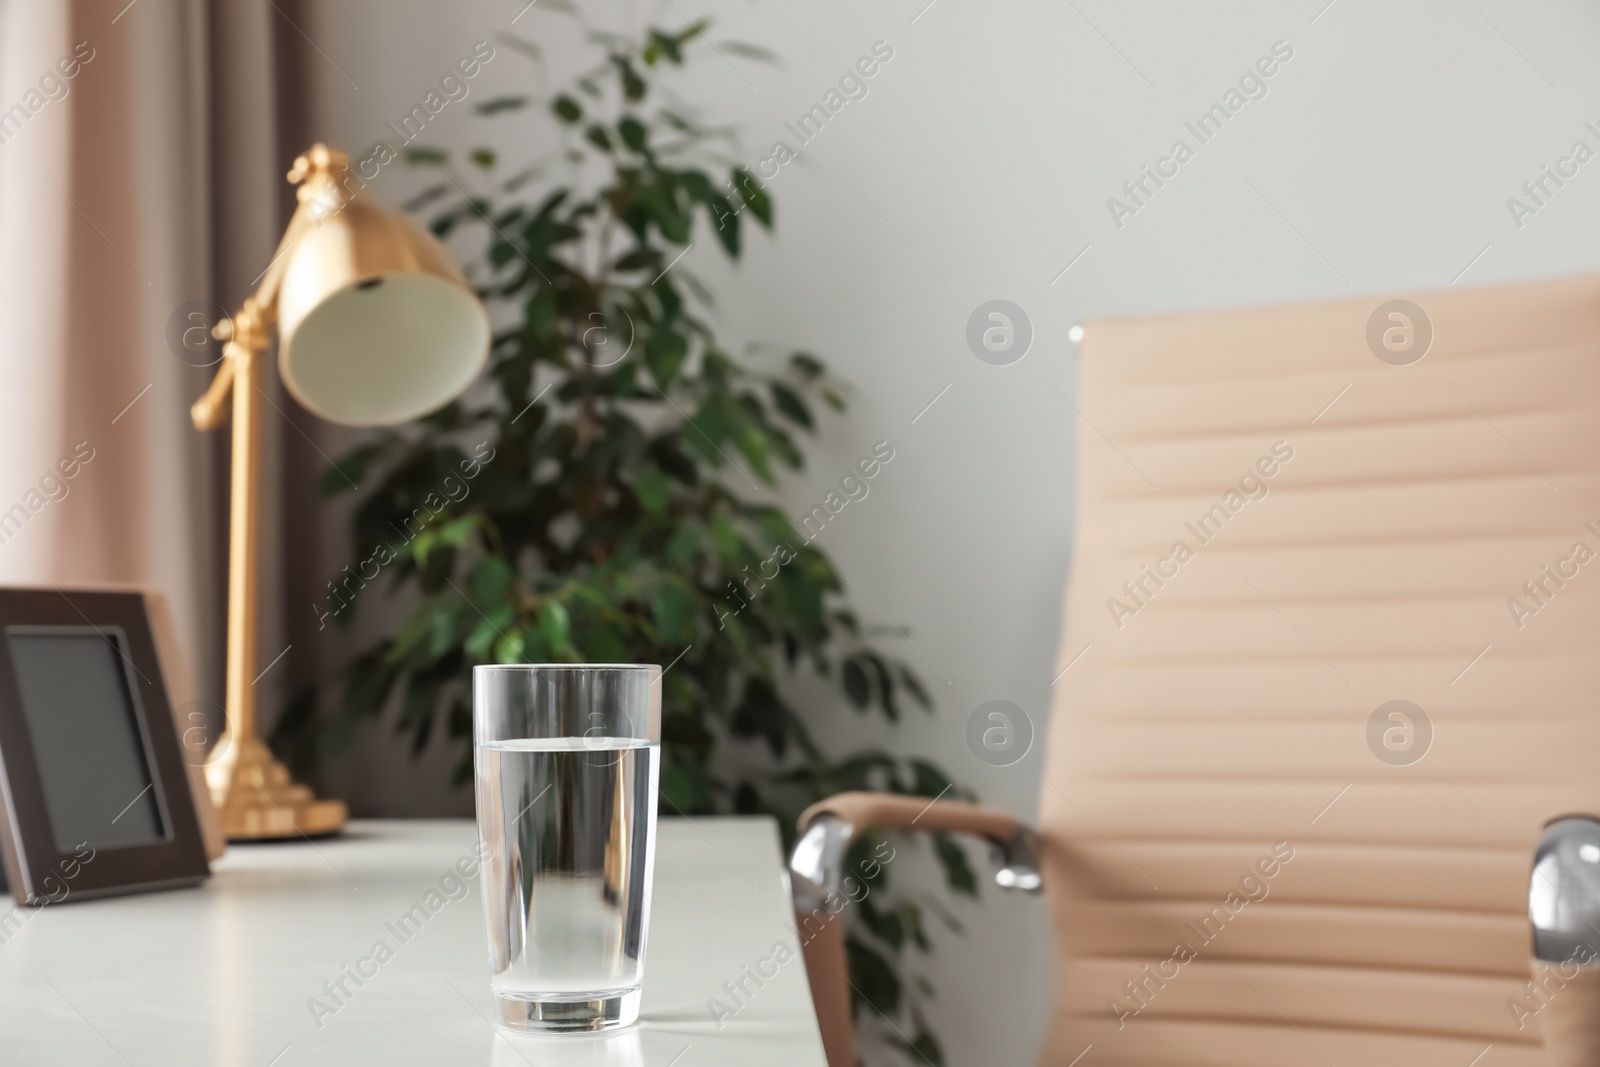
(567, 758)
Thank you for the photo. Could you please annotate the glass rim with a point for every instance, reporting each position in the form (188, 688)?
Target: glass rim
(566, 667)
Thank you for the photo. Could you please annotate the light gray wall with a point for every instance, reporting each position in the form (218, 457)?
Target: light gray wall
(978, 167)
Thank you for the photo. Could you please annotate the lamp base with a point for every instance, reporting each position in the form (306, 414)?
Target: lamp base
(258, 801)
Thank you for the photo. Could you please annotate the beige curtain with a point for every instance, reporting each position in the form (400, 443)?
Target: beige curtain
(133, 137)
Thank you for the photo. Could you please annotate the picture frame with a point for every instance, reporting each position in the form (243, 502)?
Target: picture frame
(96, 797)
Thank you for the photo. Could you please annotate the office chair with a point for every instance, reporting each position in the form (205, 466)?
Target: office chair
(1329, 665)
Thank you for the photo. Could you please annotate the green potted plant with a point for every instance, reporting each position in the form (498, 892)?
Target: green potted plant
(603, 511)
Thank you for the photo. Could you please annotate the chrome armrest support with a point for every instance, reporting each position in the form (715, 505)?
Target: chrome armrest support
(1019, 862)
(1564, 893)
(816, 866)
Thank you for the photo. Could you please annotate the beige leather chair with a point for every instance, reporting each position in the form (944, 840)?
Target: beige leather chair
(1359, 531)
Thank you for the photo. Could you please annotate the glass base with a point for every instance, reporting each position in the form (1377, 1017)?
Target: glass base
(566, 1013)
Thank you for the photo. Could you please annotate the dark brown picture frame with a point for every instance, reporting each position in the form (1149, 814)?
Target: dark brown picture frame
(37, 870)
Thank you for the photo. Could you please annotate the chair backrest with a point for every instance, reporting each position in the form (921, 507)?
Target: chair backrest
(1279, 534)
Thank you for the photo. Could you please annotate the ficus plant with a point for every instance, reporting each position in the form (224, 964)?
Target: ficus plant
(607, 514)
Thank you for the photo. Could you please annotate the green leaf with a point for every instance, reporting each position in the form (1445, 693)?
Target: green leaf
(911, 917)
(873, 981)
(726, 220)
(687, 788)
(410, 637)
(886, 926)
(678, 122)
(502, 103)
(807, 366)
(669, 45)
(423, 544)
(749, 51)
(352, 467)
(788, 401)
(914, 686)
(638, 259)
(426, 197)
(633, 134)
(685, 545)
(482, 639)
(674, 612)
(435, 570)
(753, 194)
(491, 583)
(761, 714)
(522, 177)
(930, 781)
(756, 447)
(885, 685)
(718, 368)
(633, 86)
(856, 686)
(730, 546)
(441, 629)
(924, 1047)
(596, 135)
(664, 354)
(555, 625)
(483, 157)
(566, 109)
(653, 488)
(419, 155)
(957, 871)
(511, 648)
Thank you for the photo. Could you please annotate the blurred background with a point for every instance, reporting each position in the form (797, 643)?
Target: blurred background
(986, 160)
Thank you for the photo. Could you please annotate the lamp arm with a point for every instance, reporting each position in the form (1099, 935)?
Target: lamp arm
(211, 410)
(259, 311)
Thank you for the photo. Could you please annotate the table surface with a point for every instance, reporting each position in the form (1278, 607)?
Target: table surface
(225, 975)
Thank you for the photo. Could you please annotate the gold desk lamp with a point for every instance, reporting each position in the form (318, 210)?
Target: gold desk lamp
(376, 327)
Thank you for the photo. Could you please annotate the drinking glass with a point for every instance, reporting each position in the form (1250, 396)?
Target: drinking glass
(567, 758)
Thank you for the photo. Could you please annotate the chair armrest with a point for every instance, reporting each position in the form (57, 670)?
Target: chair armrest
(818, 880)
(895, 811)
(827, 826)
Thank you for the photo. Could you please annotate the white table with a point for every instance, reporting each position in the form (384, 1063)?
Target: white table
(221, 976)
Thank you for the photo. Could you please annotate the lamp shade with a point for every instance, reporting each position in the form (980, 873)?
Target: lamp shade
(376, 324)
